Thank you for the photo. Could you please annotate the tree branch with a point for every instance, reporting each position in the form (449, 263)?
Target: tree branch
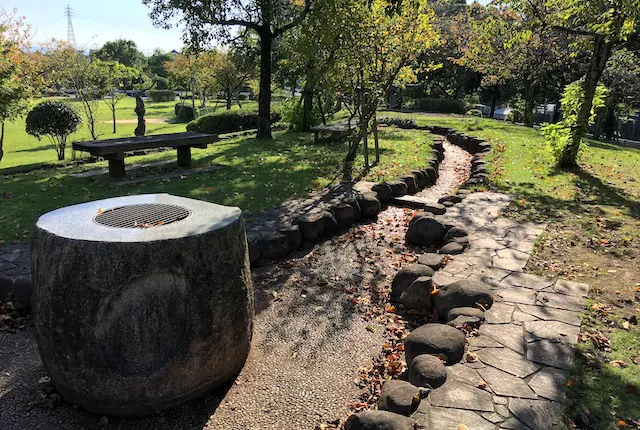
(307, 8)
(240, 22)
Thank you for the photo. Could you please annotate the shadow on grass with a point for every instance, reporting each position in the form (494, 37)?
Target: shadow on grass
(592, 190)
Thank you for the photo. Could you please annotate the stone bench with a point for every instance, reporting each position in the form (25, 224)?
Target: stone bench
(114, 150)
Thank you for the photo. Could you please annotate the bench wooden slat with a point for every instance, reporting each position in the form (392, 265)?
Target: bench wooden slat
(173, 140)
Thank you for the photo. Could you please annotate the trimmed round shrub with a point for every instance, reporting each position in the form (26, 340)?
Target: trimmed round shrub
(54, 119)
(228, 122)
(474, 112)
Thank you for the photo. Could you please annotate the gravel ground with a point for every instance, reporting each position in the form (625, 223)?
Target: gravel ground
(315, 327)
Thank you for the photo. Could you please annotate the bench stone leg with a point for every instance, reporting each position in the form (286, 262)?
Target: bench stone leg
(315, 137)
(184, 156)
(116, 166)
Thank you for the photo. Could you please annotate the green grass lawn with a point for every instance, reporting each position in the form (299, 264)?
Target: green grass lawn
(254, 175)
(21, 149)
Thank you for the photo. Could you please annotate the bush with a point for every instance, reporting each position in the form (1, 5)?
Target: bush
(399, 122)
(475, 113)
(54, 119)
(228, 122)
(161, 95)
(514, 116)
(292, 113)
(184, 112)
(441, 105)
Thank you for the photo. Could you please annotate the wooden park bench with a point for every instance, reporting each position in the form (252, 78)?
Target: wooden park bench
(114, 150)
(336, 130)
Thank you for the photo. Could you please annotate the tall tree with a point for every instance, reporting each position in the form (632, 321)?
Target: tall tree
(312, 49)
(230, 74)
(385, 40)
(115, 76)
(15, 87)
(207, 19)
(123, 51)
(622, 80)
(602, 27)
(505, 47)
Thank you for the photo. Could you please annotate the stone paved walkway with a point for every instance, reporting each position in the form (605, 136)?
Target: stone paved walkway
(15, 260)
(516, 375)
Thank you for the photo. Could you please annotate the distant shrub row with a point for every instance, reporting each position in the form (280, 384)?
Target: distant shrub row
(399, 122)
(161, 95)
(228, 122)
(440, 105)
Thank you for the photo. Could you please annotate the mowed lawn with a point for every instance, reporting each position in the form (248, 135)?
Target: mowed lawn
(21, 149)
(593, 236)
(249, 173)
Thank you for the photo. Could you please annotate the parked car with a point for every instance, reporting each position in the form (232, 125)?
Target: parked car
(501, 113)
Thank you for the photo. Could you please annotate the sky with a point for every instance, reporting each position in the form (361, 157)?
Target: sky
(95, 22)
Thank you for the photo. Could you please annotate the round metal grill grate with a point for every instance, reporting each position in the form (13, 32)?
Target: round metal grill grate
(142, 216)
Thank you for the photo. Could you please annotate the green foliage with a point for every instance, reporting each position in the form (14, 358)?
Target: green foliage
(54, 119)
(558, 135)
(123, 51)
(440, 105)
(514, 116)
(228, 122)
(474, 112)
(185, 112)
(473, 124)
(161, 95)
(292, 112)
(399, 122)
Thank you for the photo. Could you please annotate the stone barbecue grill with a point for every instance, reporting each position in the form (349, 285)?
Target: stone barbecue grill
(141, 303)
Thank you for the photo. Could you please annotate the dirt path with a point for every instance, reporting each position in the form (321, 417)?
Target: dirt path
(135, 121)
(317, 323)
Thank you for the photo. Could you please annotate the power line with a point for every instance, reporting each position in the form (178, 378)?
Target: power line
(71, 37)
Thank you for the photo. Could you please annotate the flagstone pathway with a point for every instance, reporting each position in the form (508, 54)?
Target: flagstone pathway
(521, 357)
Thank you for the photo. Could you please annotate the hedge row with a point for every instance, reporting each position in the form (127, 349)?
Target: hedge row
(228, 122)
(161, 95)
(441, 105)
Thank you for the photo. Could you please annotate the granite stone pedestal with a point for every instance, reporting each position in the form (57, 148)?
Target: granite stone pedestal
(145, 315)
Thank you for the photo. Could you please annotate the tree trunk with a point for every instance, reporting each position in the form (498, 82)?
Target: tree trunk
(113, 116)
(307, 102)
(528, 105)
(609, 125)
(556, 112)
(1, 140)
(320, 107)
(494, 101)
(264, 97)
(602, 50)
(228, 100)
(375, 137)
(238, 100)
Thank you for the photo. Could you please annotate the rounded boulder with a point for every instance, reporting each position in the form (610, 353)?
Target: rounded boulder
(405, 277)
(379, 420)
(463, 293)
(435, 339)
(425, 230)
(427, 371)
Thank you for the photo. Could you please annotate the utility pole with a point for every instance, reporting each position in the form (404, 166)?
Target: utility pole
(71, 37)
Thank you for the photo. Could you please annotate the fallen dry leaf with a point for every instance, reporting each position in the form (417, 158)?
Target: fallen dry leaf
(618, 363)
(470, 357)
